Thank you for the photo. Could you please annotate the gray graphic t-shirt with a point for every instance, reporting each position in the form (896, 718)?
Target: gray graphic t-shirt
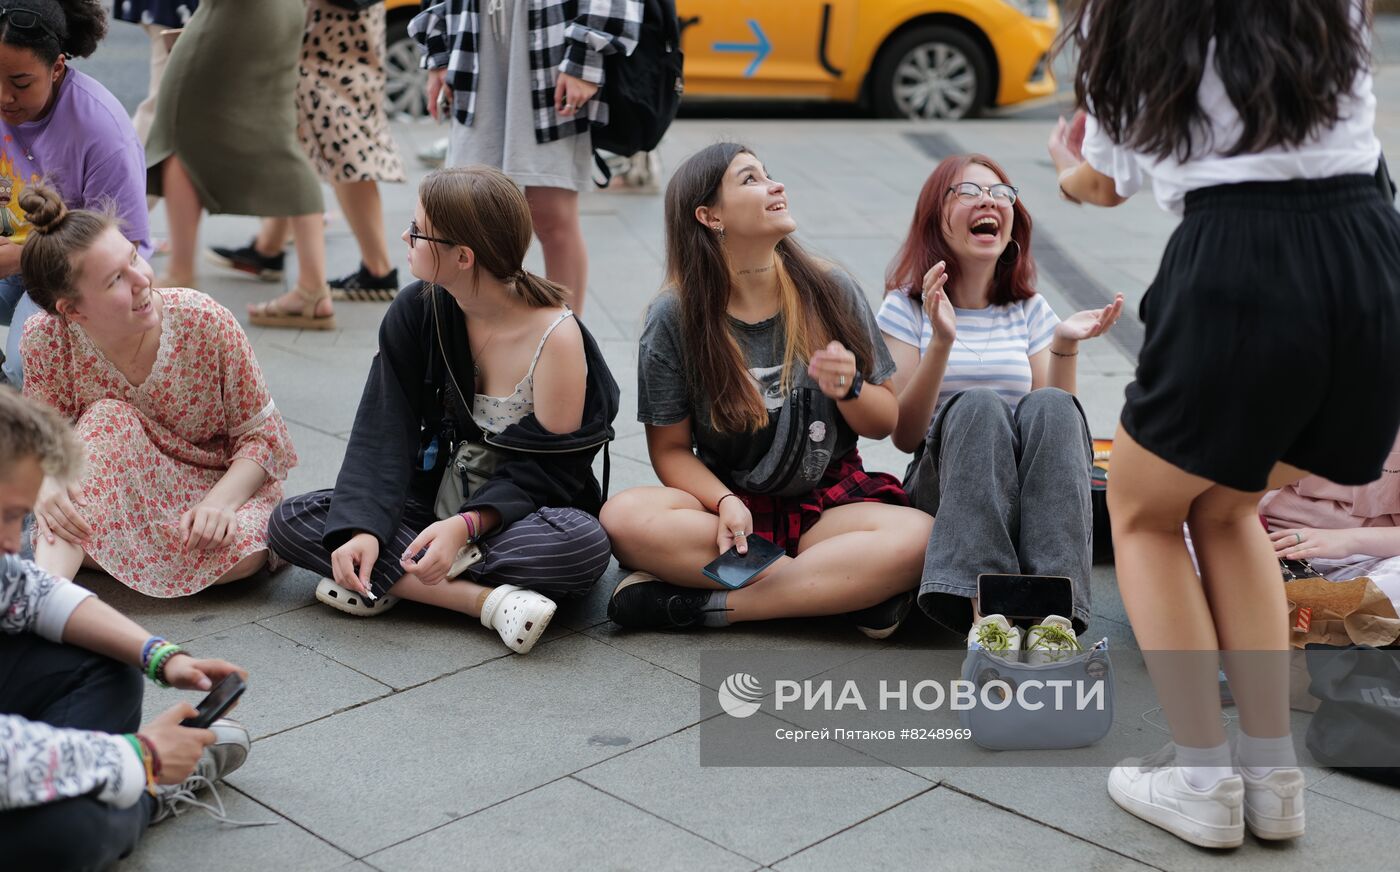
(666, 396)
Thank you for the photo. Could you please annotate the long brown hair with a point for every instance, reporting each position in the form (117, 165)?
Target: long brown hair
(926, 245)
(814, 306)
(481, 208)
(1286, 66)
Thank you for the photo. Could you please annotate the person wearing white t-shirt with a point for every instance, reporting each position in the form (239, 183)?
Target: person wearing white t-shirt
(1275, 315)
(986, 379)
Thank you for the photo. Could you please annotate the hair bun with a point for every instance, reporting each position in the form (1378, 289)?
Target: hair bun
(43, 208)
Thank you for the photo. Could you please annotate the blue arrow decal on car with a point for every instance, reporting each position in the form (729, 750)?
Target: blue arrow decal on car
(760, 48)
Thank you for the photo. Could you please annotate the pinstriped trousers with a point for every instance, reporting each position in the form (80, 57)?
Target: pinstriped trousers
(559, 552)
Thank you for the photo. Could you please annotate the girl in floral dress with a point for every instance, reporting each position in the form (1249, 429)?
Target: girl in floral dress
(186, 450)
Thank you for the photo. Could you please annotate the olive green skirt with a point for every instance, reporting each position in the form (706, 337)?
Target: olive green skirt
(227, 110)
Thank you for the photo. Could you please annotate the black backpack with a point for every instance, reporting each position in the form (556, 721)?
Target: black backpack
(642, 90)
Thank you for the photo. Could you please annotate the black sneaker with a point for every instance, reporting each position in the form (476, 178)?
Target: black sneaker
(249, 260)
(881, 620)
(363, 286)
(642, 601)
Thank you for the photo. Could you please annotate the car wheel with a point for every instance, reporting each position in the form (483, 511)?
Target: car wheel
(405, 81)
(932, 73)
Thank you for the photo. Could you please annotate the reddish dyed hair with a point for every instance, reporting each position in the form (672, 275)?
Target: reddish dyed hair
(926, 245)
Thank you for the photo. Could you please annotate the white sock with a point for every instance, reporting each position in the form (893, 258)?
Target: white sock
(1203, 768)
(1258, 757)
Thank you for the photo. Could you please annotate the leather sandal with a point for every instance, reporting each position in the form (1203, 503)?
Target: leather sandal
(271, 313)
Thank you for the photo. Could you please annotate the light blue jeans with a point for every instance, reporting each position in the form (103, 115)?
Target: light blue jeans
(15, 309)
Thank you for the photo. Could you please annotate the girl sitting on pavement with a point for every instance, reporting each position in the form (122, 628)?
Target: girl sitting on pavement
(187, 451)
(986, 382)
(759, 367)
(482, 368)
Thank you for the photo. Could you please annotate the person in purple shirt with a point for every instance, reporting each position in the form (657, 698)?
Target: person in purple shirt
(63, 126)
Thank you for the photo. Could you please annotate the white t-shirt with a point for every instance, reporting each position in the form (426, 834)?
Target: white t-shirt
(993, 347)
(1348, 147)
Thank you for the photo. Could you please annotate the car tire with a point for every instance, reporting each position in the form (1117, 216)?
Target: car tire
(405, 81)
(932, 72)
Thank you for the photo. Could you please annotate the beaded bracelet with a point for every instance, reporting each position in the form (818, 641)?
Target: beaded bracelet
(156, 670)
(151, 645)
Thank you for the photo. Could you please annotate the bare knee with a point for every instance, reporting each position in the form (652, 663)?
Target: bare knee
(244, 568)
(555, 217)
(1223, 509)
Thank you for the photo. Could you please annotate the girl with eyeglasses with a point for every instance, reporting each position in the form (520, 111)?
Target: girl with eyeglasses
(1273, 319)
(60, 124)
(468, 481)
(986, 381)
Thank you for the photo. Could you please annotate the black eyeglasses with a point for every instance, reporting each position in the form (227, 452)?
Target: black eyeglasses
(970, 193)
(25, 19)
(413, 235)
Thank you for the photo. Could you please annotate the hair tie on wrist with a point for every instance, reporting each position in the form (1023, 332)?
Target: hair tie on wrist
(722, 499)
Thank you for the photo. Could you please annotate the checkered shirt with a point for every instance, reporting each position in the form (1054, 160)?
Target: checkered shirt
(566, 36)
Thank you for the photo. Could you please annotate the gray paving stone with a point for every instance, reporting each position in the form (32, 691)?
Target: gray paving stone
(562, 825)
(384, 772)
(1343, 787)
(762, 813)
(443, 641)
(946, 830)
(196, 841)
(211, 610)
(288, 684)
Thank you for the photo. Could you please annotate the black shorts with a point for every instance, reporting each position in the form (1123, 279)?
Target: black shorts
(1273, 334)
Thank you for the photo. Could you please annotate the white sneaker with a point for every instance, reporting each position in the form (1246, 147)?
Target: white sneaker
(1052, 639)
(994, 633)
(1159, 794)
(1273, 805)
(520, 616)
(229, 751)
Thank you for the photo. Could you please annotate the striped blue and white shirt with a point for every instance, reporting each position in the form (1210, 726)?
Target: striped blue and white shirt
(993, 348)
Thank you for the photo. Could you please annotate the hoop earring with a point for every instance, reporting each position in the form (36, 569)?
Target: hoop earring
(1002, 258)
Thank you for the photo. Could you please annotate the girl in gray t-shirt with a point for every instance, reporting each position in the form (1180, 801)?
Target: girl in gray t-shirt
(759, 368)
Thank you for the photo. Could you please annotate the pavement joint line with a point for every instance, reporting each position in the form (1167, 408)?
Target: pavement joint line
(319, 653)
(293, 821)
(668, 822)
(634, 656)
(1351, 804)
(982, 799)
(313, 428)
(869, 817)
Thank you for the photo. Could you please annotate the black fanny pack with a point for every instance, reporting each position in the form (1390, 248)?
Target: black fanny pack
(802, 447)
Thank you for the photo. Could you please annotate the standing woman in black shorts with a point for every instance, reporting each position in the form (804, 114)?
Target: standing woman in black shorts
(1274, 316)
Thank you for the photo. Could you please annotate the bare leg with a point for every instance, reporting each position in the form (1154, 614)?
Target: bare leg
(62, 558)
(843, 563)
(310, 234)
(554, 212)
(244, 568)
(458, 595)
(183, 209)
(365, 212)
(272, 236)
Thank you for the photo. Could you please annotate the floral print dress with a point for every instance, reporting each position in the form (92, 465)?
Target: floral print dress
(155, 449)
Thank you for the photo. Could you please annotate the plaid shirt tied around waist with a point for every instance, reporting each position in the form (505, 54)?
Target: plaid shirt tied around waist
(566, 36)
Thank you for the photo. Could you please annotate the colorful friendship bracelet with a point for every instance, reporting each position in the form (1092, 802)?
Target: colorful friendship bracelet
(139, 746)
(151, 750)
(471, 527)
(156, 670)
(151, 645)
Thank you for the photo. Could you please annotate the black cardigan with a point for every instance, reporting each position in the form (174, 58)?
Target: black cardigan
(405, 422)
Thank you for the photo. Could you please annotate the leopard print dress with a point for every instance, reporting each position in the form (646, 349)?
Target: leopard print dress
(340, 96)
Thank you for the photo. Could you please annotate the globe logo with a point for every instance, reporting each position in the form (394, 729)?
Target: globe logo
(740, 695)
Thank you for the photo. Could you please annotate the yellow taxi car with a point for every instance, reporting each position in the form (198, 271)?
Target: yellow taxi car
(903, 58)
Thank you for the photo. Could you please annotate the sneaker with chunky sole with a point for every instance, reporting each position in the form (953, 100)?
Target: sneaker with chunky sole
(1156, 791)
(1052, 639)
(229, 751)
(363, 286)
(996, 634)
(248, 260)
(881, 620)
(1273, 805)
(641, 601)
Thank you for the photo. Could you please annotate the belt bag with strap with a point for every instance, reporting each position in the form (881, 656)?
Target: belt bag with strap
(803, 442)
(471, 466)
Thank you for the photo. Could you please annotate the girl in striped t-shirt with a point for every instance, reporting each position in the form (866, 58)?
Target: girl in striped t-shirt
(986, 379)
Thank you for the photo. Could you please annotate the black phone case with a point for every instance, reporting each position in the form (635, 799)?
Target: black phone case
(211, 712)
(734, 570)
(1025, 598)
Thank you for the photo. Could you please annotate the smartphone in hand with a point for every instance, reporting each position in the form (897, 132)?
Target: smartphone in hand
(220, 699)
(734, 570)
